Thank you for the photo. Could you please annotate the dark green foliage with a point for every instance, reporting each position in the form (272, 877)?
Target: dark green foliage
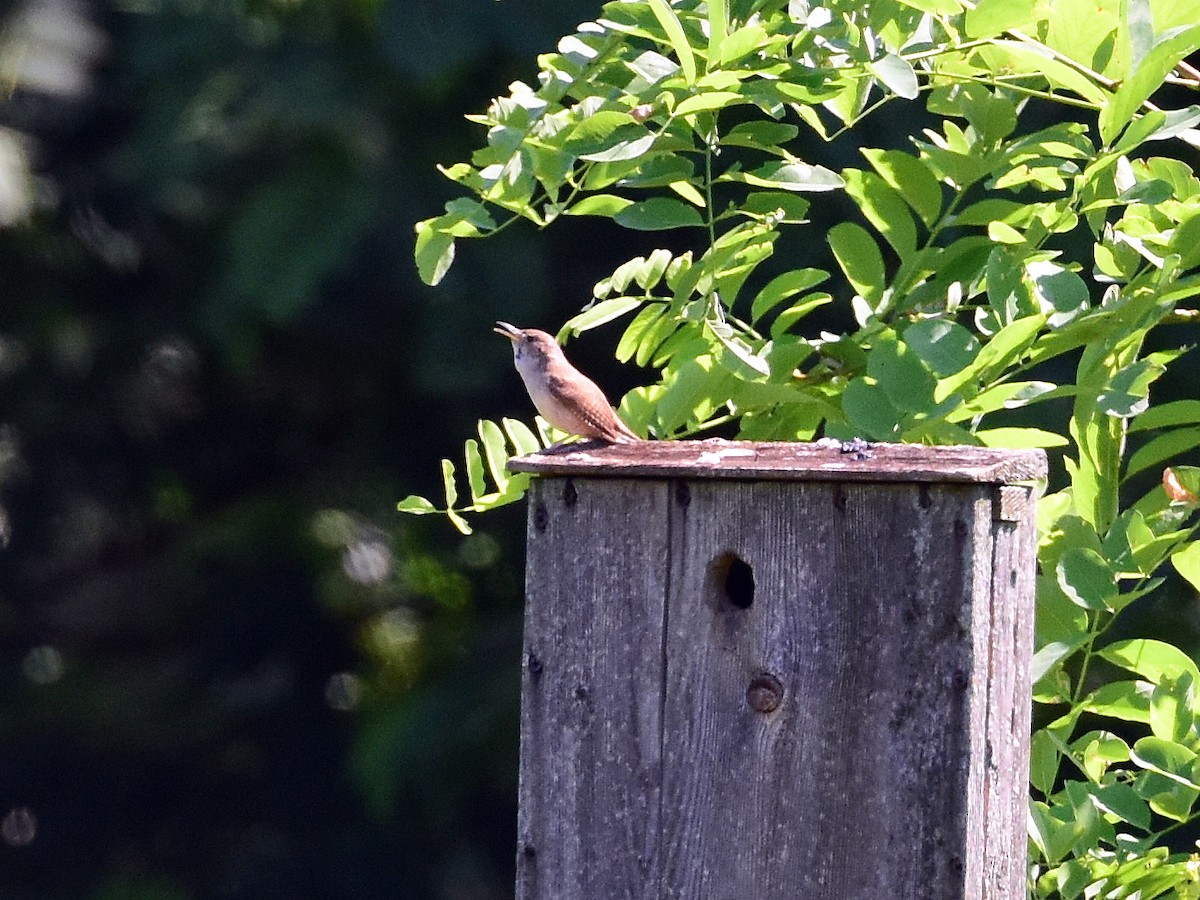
(228, 670)
(1009, 266)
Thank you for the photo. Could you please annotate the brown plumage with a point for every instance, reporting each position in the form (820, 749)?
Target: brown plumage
(564, 396)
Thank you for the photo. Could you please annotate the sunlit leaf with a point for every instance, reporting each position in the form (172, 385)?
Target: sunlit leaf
(658, 214)
(945, 346)
(1187, 563)
(787, 176)
(434, 253)
(1020, 438)
(1153, 660)
(707, 102)
(784, 286)
(1085, 577)
(415, 505)
(675, 36)
(897, 74)
(601, 313)
(859, 257)
(911, 179)
(1168, 49)
(884, 208)
(991, 17)
(599, 205)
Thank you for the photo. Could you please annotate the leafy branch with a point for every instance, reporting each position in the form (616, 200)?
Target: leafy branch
(999, 285)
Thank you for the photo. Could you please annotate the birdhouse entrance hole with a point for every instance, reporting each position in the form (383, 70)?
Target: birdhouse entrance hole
(733, 579)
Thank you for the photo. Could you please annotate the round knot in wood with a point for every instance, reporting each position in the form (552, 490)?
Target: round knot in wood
(765, 693)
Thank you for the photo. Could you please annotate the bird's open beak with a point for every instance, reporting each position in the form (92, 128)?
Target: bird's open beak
(512, 332)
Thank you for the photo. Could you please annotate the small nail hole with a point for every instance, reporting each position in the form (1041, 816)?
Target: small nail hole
(734, 579)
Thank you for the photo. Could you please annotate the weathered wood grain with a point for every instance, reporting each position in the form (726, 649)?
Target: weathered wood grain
(857, 729)
(824, 460)
(854, 787)
(591, 719)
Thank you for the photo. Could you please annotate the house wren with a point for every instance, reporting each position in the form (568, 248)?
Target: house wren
(564, 396)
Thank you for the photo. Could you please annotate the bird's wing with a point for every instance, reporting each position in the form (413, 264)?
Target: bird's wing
(596, 411)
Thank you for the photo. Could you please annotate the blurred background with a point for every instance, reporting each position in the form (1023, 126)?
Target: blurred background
(230, 668)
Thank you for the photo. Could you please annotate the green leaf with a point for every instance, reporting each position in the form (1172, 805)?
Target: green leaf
(1058, 619)
(1166, 758)
(608, 136)
(992, 17)
(600, 313)
(1052, 829)
(688, 396)
(1020, 438)
(897, 74)
(793, 176)
(741, 43)
(1049, 656)
(675, 35)
(1162, 448)
(1128, 393)
(1085, 577)
(718, 28)
(1186, 241)
(1005, 395)
(901, 374)
(1166, 796)
(760, 134)
(1187, 563)
(688, 192)
(1020, 57)
(1062, 293)
(1006, 345)
(629, 148)
(707, 102)
(599, 131)
(1153, 660)
(1044, 756)
(448, 483)
(1171, 707)
(945, 346)
(475, 478)
(747, 363)
(495, 450)
(639, 328)
(798, 311)
(650, 272)
(884, 208)
(417, 506)
(782, 287)
(658, 214)
(1169, 48)
(911, 179)
(522, 439)
(859, 256)
(1125, 700)
(1097, 750)
(599, 205)
(983, 212)
(434, 253)
(868, 408)
(783, 207)
(1122, 801)
(1083, 45)
(1009, 293)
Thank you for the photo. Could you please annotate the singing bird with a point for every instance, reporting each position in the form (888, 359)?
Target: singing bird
(564, 396)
